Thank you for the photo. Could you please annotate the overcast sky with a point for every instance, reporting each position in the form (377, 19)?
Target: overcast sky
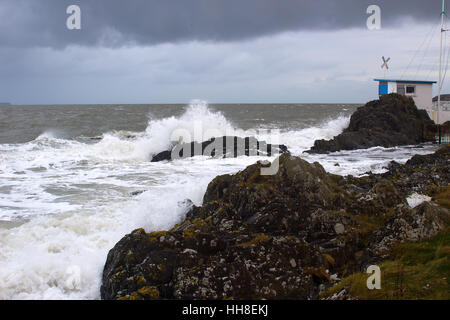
(230, 51)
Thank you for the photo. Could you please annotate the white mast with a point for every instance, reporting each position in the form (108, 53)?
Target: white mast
(440, 61)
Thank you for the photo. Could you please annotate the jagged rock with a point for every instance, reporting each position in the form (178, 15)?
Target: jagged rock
(137, 192)
(285, 236)
(445, 127)
(226, 147)
(422, 173)
(162, 156)
(393, 120)
(422, 222)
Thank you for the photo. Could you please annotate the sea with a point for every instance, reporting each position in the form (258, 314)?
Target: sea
(74, 179)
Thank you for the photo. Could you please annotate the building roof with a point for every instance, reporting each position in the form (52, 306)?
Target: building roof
(405, 81)
(444, 97)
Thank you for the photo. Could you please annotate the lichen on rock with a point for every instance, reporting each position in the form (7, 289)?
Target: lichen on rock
(286, 236)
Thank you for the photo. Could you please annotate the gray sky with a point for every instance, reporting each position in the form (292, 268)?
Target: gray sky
(169, 51)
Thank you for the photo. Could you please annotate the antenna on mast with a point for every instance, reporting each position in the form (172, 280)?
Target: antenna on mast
(440, 61)
(385, 65)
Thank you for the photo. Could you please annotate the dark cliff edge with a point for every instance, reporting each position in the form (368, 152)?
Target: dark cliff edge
(393, 120)
(300, 234)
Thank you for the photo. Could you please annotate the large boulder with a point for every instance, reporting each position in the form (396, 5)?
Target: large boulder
(245, 242)
(285, 236)
(393, 120)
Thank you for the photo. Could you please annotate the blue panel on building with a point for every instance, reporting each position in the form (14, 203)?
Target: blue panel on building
(383, 88)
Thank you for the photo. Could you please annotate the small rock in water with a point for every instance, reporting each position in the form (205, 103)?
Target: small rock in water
(136, 193)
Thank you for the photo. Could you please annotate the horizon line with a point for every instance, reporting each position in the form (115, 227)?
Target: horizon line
(167, 103)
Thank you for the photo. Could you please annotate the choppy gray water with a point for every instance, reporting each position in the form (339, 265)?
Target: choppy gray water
(67, 173)
(19, 124)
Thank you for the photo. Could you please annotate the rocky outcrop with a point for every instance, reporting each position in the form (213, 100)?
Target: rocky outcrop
(417, 224)
(286, 236)
(223, 147)
(422, 174)
(393, 120)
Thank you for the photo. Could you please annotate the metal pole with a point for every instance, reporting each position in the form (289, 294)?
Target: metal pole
(440, 134)
(440, 61)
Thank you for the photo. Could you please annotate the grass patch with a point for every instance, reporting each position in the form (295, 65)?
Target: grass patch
(443, 197)
(416, 271)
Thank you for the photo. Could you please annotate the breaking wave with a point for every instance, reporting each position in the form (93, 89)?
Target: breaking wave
(65, 202)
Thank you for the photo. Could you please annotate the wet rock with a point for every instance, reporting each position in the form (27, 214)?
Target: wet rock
(422, 173)
(136, 193)
(162, 156)
(393, 120)
(226, 147)
(393, 166)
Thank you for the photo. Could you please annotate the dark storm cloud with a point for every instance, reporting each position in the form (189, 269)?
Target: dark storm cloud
(118, 22)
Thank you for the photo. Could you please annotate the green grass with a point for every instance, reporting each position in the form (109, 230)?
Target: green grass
(416, 271)
(443, 197)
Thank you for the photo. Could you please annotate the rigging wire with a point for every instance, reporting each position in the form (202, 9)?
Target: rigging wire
(427, 35)
(425, 54)
(446, 53)
(432, 69)
(447, 50)
(446, 65)
(435, 64)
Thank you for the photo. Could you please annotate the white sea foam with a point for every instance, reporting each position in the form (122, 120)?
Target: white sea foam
(66, 203)
(303, 139)
(36, 255)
